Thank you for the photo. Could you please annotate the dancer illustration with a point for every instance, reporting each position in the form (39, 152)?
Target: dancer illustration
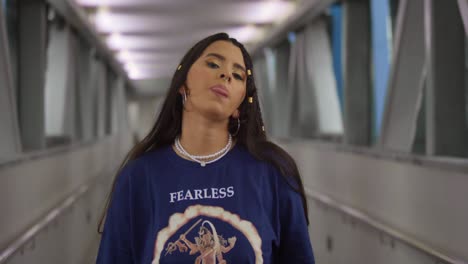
(208, 244)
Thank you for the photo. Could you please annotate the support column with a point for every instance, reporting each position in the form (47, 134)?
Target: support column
(9, 141)
(101, 93)
(87, 93)
(282, 104)
(446, 114)
(32, 63)
(357, 86)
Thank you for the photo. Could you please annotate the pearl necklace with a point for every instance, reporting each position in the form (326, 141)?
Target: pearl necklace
(200, 159)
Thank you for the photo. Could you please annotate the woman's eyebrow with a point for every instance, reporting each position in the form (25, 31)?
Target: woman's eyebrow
(221, 57)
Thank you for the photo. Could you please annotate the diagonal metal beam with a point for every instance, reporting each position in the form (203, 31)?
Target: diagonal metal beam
(405, 89)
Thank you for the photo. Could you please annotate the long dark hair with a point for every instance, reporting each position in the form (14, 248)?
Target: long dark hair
(251, 134)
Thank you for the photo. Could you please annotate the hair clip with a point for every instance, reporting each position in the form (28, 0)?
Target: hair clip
(250, 99)
(180, 66)
(263, 128)
(249, 72)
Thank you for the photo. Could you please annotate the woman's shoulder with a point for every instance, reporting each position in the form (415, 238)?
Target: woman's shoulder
(281, 165)
(243, 155)
(268, 161)
(261, 164)
(134, 173)
(150, 157)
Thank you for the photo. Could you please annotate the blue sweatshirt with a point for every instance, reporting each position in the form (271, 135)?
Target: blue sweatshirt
(166, 209)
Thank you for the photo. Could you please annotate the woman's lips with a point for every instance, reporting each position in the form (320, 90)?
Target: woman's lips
(220, 90)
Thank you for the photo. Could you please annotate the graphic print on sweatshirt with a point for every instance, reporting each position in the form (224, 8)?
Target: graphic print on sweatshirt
(207, 235)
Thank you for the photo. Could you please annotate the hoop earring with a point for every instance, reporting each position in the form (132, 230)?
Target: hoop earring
(184, 98)
(238, 128)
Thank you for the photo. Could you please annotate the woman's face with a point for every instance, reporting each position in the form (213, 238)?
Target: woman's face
(217, 82)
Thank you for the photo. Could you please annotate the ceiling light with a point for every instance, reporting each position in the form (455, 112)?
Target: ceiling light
(143, 56)
(102, 18)
(130, 67)
(148, 71)
(131, 70)
(114, 41)
(108, 2)
(275, 11)
(246, 34)
(123, 56)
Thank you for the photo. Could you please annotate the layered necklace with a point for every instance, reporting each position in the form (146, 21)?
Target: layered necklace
(203, 159)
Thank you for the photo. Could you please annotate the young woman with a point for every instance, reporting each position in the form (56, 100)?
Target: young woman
(205, 185)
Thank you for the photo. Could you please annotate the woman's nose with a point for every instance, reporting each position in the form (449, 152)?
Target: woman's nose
(225, 77)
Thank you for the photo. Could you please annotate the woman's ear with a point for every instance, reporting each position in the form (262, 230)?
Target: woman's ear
(182, 90)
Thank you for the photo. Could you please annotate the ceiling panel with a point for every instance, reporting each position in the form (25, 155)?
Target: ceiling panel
(182, 41)
(237, 16)
(161, 3)
(150, 37)
(145, 57)
(148, 43)
(151, 73)
(186, 31)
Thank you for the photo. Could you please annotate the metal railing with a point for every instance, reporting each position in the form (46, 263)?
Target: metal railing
(380, 227)
(20, 243)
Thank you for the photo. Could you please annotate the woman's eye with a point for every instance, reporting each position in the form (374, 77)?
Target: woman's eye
(238, 76)
(212, 65)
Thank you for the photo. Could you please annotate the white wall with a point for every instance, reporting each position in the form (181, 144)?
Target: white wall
(143, 114)
(31, 187)
(426, 201)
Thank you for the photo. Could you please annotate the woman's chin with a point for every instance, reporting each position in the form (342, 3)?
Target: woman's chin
(213, 110)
